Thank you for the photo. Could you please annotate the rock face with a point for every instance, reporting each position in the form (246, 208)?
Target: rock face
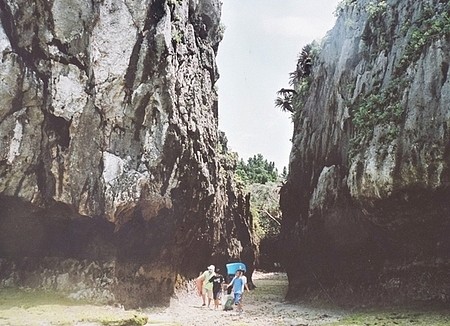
(110, 152)
(367, 201)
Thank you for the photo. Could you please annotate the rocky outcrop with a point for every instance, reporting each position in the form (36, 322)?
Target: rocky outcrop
(366, 205)
(110, 150)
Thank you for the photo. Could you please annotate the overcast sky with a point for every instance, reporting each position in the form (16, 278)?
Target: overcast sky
(262, 41)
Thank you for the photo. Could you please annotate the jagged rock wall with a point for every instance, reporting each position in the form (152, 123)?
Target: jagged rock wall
(110, 149)
(366, 203)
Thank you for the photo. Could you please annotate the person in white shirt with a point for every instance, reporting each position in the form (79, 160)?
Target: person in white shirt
(244, 282)
(204, 287)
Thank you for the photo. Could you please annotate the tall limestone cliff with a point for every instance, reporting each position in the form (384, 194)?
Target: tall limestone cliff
(113, 181)
(367, 202)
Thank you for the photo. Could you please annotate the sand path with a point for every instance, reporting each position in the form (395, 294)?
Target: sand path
(264, 305)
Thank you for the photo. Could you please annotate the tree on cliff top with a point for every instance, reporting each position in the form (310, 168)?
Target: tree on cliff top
(260, 178)
(257, 170)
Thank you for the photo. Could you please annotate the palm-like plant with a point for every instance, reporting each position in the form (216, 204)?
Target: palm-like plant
(300, 79)
(284, 99)
(304, 65)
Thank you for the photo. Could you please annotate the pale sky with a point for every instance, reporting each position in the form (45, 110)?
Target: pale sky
(260, 47)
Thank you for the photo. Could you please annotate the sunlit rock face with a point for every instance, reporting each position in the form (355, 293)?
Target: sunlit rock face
(367, 201)
(110, 149)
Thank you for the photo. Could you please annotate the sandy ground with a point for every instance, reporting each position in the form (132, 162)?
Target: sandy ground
(262, 306)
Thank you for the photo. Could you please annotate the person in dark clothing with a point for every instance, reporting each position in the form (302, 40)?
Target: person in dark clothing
(217, 281)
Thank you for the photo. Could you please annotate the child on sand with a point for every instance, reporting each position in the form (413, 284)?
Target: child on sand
(217, 281)
(238, 286)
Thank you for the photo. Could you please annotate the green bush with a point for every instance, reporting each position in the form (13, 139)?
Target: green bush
(257, 170)
(378, 109)
(433, 24)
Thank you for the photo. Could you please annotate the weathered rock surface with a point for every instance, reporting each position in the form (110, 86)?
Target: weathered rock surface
(110, 150)
(366, 204)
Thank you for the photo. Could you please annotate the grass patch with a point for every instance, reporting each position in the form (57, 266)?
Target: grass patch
(135, 320)
(395, 318)
(11, 297)
(20, 307)
(269, 289)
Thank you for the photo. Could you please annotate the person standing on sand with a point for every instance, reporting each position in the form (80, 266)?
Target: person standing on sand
(217, 281)
(244, 282)
(244, 285)
(238, 285)
(206, 288)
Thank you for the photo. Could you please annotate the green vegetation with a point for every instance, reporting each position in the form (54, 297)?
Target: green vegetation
(135, 320)
(375, 8)
(301, 78)
(303, 87)
(221, 31)
(37, 307)
(265, 208)
(292, 99)
(377, 109)
(383, 107)
(395, 318)
(256, 170)
(177, 36)
(433, 24)
(256, 177)
(284, 99)
(260, 178)
(12, 297)
(270, 290)
(341, 6)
